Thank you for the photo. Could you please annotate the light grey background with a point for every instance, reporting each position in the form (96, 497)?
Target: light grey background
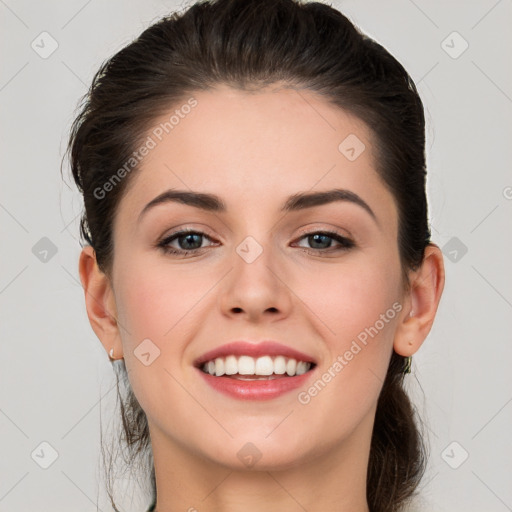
(53, 369)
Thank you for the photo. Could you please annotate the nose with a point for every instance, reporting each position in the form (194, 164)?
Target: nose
(256, 288)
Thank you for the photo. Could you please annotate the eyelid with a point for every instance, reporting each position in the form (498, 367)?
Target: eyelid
(303, 231)
(179, 232)
(188, 228)
(333, 229)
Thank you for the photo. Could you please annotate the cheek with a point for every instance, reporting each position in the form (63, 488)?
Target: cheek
(358, 306)
(152, 301)
(158, 304)
(357, 310)
(349, 298)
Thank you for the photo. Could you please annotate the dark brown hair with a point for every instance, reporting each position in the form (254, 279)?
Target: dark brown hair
(249, 44)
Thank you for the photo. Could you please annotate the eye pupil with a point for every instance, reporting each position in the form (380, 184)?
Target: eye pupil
(319, 235)
(187, 237)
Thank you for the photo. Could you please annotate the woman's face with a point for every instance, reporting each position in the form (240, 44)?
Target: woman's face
(255, 272)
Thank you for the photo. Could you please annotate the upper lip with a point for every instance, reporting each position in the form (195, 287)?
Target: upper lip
(253, 349)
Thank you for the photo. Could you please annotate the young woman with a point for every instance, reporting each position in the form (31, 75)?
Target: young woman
(258, 260)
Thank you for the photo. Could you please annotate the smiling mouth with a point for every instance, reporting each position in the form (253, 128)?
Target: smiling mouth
(256, 368)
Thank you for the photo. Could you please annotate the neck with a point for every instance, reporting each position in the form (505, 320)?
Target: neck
(333, 480)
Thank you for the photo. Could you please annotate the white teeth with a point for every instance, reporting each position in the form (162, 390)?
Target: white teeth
(291, 366)
(263, 366)
(301, 368)
(279, 365)
(246, 365)
(219, 366)
(231, 365)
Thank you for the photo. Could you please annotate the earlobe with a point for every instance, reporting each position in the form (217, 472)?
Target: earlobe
(427, 284)
(99, 301)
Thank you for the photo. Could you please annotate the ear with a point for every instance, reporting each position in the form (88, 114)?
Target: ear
(427, 285)
(100, 302)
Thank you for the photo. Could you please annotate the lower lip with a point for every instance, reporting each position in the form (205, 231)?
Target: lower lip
(255, 389)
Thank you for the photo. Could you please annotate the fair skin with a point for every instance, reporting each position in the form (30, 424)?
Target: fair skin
(254, 151)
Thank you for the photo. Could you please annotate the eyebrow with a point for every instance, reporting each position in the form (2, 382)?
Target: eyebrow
(296, 202)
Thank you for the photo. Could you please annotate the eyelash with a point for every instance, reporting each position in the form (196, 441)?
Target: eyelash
(345, 242)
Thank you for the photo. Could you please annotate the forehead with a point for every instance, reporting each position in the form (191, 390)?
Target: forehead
(254, 148)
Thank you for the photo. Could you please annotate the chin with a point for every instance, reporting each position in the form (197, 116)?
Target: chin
(248, 453)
